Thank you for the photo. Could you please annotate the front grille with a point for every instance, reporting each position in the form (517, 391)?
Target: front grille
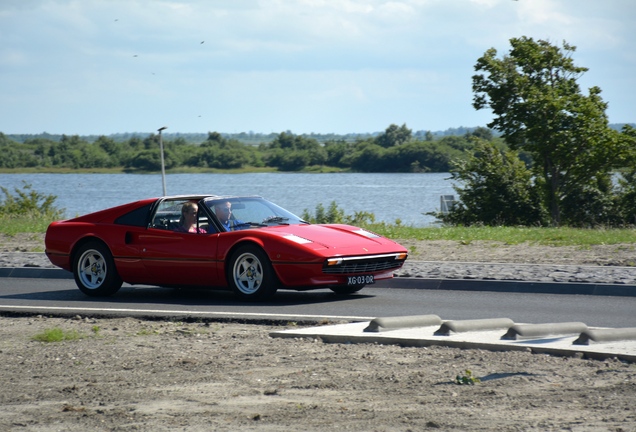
(368, 264)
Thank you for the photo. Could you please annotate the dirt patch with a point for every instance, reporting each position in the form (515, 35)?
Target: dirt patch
(22, 242)
(130, 374)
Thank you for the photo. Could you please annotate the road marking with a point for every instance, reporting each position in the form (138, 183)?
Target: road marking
(181, 312)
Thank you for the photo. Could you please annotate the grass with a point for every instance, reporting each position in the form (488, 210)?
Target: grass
(512, 235)
(147, 332)
(56, 334)
(11, 225)
(509, 235)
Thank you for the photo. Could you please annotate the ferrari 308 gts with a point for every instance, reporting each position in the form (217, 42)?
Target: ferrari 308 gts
(245, 244)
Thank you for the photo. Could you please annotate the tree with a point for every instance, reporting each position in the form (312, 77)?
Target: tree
(336, 150)
(394, 135)
(625, 198)
(289, 141)
(497, 190)
(219, 152)
(291, 152)
(150, 160)
(419, 156)
(112, 148)
(290, 160)
(538, 107)
(367, 157)
(481, 132)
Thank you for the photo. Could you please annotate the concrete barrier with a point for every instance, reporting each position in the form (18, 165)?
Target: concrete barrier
(529, 331)
(450, 327)
(394, 323)
(606, 335)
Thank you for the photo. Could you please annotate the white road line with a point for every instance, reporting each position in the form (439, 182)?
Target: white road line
(180, 312)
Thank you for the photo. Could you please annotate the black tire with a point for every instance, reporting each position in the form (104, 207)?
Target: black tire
(94, 270)
(346, 290)
(250, 274)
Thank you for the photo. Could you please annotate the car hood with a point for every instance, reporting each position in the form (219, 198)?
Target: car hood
(341, 239)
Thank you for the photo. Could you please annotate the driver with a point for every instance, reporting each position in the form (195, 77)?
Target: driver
(223, 211)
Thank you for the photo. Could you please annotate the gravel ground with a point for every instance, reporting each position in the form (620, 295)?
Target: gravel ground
(120, 374)
(128, 374)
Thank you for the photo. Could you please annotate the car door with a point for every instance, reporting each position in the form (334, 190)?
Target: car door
(172, 257)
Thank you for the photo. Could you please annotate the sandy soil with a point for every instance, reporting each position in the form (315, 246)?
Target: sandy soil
(22, 242)
(130, 374)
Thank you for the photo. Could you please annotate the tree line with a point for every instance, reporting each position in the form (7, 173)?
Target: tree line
(396, 149)
(252, 138)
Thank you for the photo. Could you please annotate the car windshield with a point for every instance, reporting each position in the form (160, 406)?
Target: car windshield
(250, 212)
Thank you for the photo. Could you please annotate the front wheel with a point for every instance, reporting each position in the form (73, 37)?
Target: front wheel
(345, 290)
(94, 270)
(250, 274)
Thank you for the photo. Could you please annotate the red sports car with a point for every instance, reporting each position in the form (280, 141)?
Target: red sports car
(246, 244)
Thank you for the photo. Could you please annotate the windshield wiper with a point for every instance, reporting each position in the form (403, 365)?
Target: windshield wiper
(275, 219)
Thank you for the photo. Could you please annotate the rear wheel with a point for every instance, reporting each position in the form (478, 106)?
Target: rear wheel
(344, 290)
(250, 274)
(94, 270)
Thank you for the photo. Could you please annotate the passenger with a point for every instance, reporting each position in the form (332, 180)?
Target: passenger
(189, 218)
(223, 211)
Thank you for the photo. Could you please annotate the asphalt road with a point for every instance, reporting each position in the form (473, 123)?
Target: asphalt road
(36, 295)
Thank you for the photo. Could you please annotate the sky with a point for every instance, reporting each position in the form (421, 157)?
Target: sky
(99, 67)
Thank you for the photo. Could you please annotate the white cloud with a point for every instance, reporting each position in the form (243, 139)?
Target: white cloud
(97, 66)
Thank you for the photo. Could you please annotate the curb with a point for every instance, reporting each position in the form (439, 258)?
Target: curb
(568, 288)
(35, 272)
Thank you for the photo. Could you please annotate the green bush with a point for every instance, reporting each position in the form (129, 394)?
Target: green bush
(27, 202)
(497, 190)
(335, 215)
(27, 211)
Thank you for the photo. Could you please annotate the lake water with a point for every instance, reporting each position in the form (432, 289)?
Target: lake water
(389, 196)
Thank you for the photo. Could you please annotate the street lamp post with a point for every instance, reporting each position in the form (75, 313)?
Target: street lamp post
(163, 165)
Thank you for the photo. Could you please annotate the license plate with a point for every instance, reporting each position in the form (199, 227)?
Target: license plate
(360, 280)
